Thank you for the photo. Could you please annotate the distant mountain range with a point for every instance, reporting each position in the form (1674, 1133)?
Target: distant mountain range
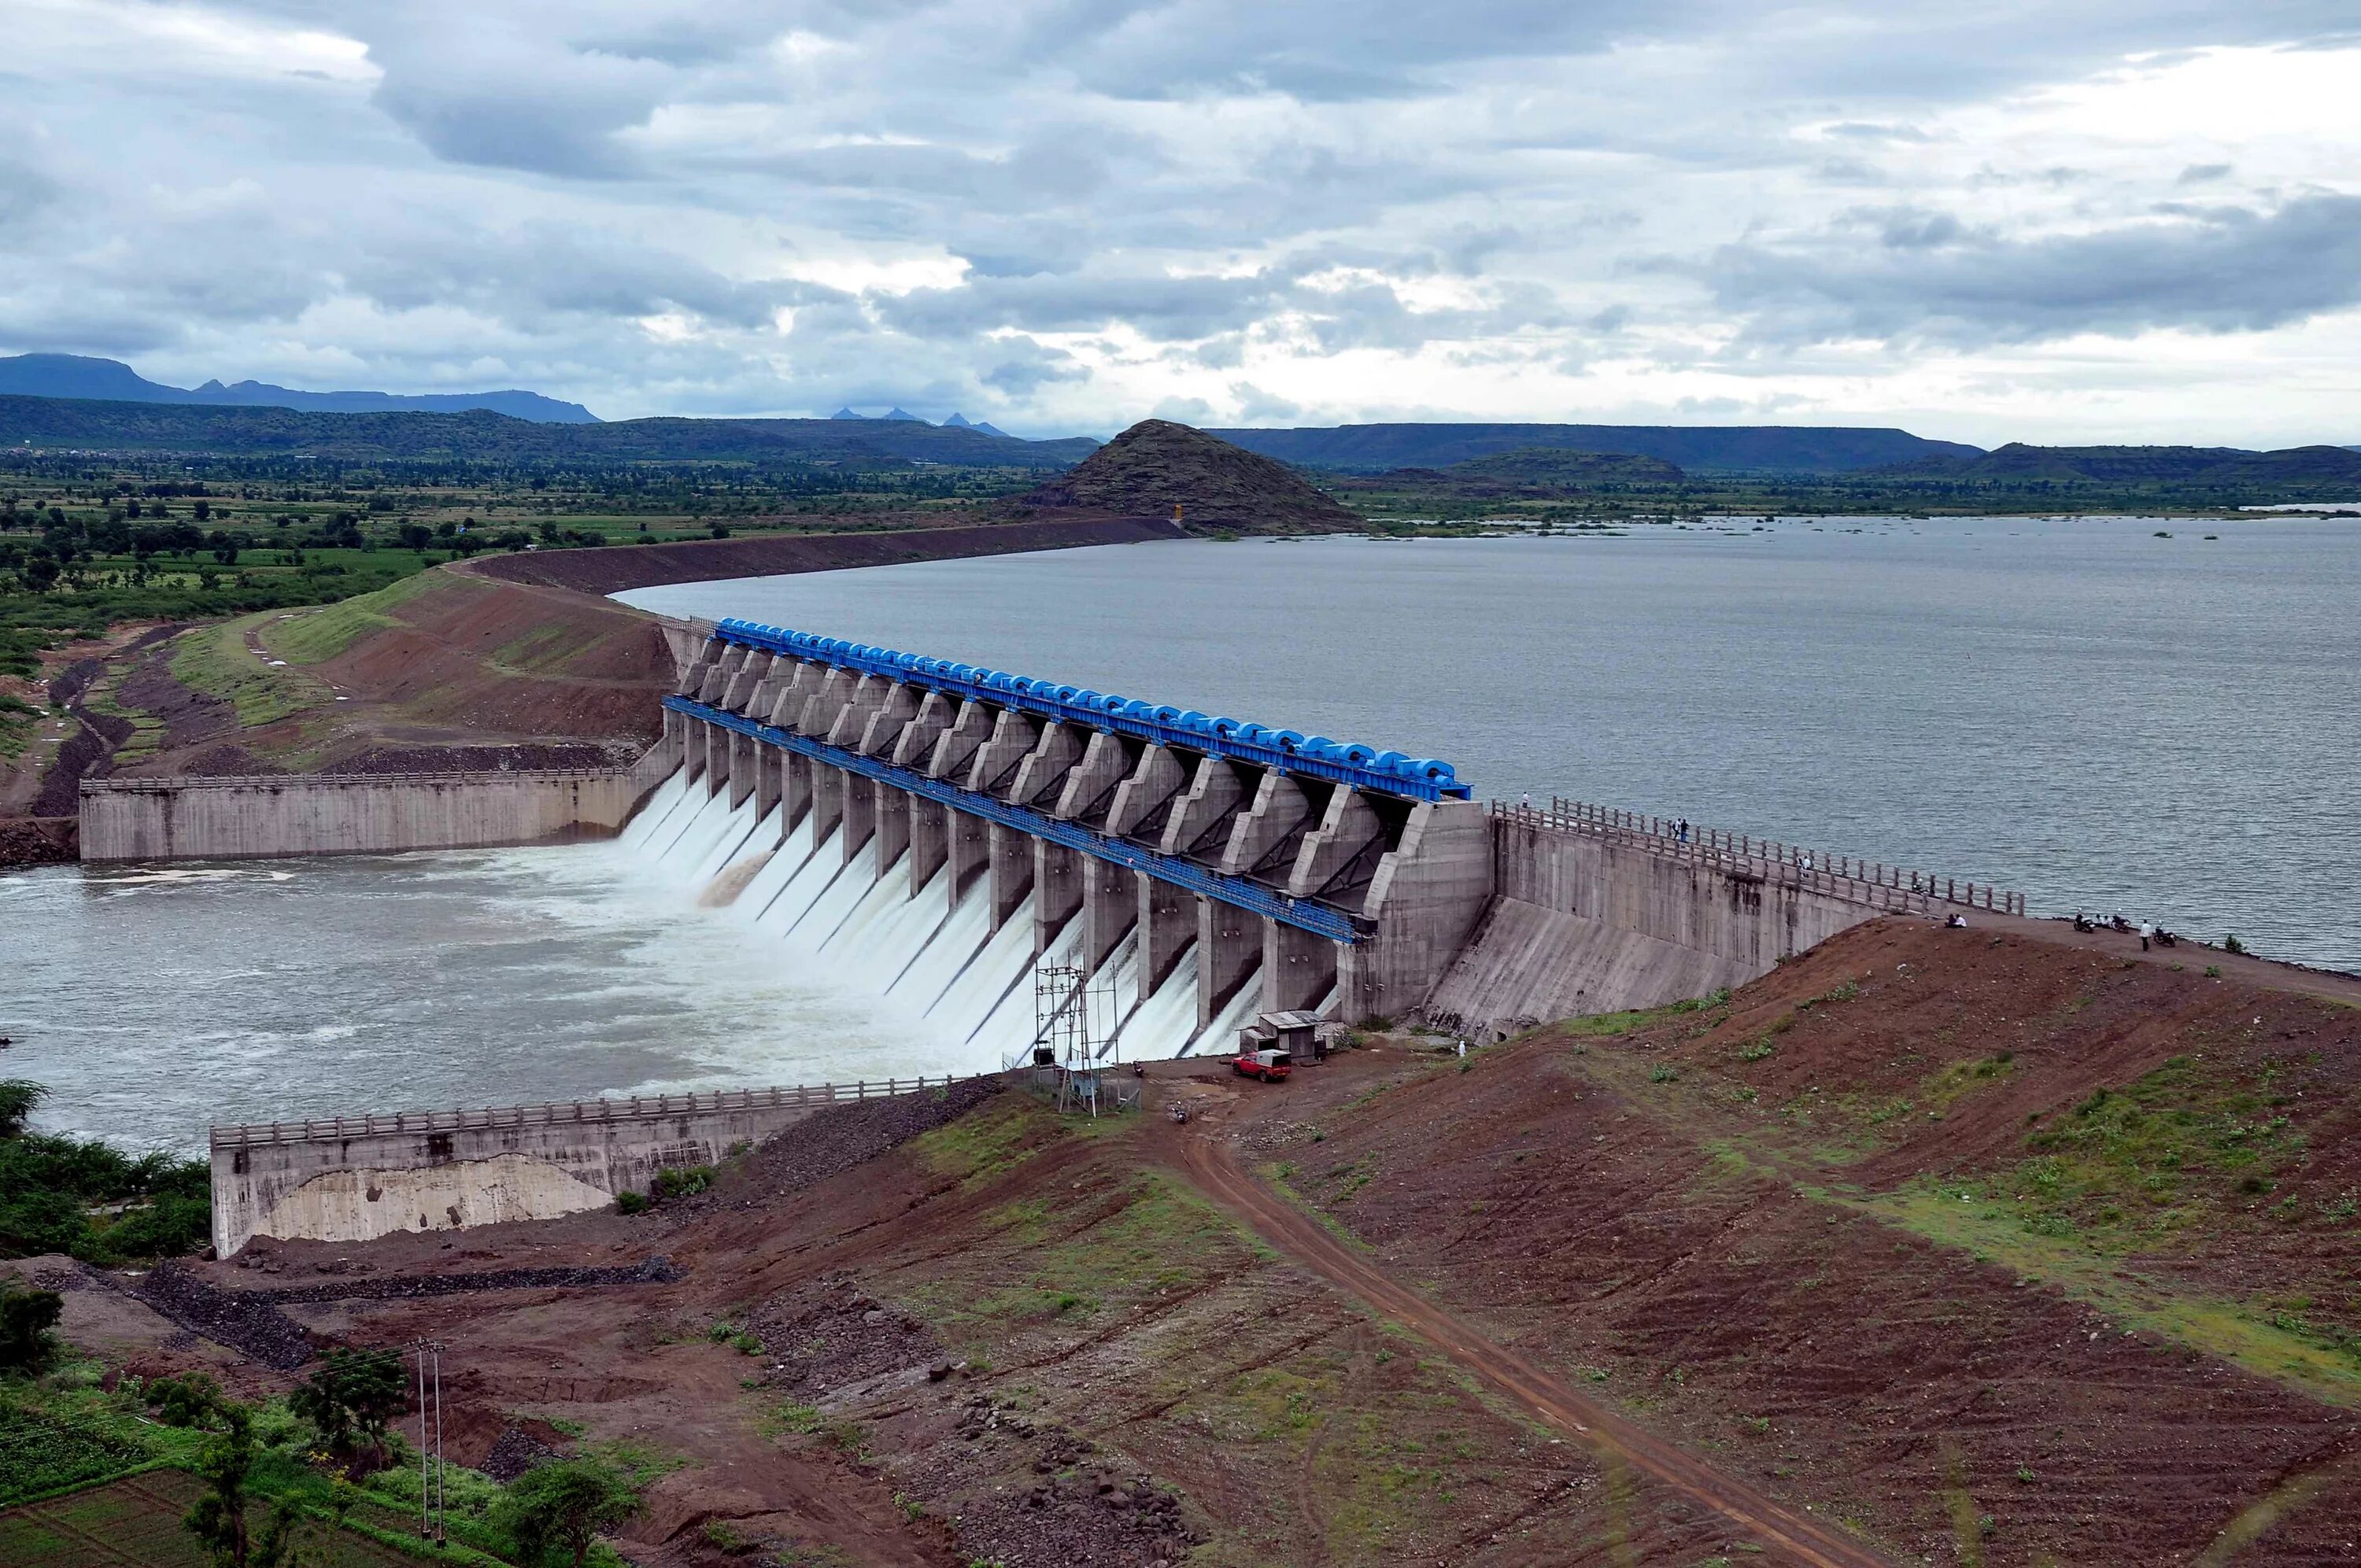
(75, 375)
(957, 422)
(482, 435)
(1758, 449)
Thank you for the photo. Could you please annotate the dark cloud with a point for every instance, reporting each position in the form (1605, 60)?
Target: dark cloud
(2230, 270)
(1127, 199)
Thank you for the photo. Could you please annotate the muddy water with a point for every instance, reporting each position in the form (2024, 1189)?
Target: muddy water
(2076, 708)
(154, 1002)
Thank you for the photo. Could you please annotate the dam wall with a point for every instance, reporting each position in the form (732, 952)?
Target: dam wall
(232, 818)
(1597, 910)
(352, 1178)
(1193, 868)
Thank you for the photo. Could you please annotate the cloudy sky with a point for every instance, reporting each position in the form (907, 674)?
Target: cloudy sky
(1982, 219)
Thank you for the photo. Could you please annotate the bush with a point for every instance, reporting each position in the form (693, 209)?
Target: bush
(553, 1512)
(631, 1203)
(26, 1319)
(187, 1400)
(351, 1400)
(680, 1181)
(49, 1185)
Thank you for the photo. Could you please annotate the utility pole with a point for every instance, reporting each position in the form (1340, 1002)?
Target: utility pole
(430, 1450)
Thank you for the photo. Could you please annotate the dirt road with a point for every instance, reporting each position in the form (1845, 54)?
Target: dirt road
(1205, 1156)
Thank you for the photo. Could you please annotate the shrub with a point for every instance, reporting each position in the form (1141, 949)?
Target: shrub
(26, 1319)
(554, 1511)
(631, 1202)
(187, 1400)
(680, 1181)
(351, 1400)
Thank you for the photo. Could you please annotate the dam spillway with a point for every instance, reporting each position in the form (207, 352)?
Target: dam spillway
(944, 830)
(943, 833)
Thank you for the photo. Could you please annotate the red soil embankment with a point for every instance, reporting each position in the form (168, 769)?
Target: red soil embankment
(513, 660)
(619, 567)
(1932, 1225)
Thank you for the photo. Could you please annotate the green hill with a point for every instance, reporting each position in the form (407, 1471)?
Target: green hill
(480, 435)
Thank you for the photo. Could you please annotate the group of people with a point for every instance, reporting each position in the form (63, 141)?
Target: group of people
(2148, 930)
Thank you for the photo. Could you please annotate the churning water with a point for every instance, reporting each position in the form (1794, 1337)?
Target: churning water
(2078, 709)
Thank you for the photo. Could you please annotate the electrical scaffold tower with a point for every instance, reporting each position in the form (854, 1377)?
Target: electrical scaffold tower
(1074, 1041)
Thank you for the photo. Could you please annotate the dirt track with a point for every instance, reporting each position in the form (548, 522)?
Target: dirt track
(1206, 1159)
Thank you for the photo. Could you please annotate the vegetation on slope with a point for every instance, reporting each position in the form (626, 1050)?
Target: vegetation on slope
(90, 1200)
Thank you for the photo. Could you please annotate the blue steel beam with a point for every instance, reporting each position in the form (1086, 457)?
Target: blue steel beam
(1363, 767)
(1320, 919)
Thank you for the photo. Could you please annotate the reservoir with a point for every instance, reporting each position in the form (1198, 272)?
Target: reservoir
(2101, 717)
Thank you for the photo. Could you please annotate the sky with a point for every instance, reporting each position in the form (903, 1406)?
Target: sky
(2115, 220)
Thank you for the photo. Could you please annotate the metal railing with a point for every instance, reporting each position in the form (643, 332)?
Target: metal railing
(281, 780)
(638, 1108)
(1847, 877)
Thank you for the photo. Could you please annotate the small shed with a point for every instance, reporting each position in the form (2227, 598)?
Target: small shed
(1297, 1034)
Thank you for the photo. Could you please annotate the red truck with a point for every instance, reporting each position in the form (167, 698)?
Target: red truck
(1267, 1065)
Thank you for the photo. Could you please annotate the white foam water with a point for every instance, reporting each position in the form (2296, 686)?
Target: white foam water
(934, 965)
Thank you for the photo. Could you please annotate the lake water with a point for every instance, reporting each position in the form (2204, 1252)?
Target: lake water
(2078, 709)
(2075, 708)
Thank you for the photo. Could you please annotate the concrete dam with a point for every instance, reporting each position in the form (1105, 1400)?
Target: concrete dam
(959, 842)
(948, 831)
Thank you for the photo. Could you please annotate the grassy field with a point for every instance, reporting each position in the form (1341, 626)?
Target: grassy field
(215, 660)
(88, 1480)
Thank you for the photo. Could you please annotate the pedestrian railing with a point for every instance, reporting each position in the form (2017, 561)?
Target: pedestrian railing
(312, 781)
(1847, 877)
(638, 1108)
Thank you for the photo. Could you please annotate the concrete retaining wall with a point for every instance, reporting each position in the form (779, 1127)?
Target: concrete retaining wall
(352, 1178)
(230, 818)
(1599, 911)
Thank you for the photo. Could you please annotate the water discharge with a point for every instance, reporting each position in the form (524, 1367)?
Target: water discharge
(937, 966)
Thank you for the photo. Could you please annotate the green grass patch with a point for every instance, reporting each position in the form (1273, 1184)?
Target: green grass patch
(2273, 1343)
(18, 721)
(320, 635)
(1603, 1023)
(1163, 1239)
(2127, 1167)
(61, 1438)
(215, 660)
(996, 1137)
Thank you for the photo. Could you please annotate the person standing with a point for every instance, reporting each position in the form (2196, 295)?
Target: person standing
(2146, 930)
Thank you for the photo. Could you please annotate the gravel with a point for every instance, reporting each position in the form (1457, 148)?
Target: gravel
(830, 1142)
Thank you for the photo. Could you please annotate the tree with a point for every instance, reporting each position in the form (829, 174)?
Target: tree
(351, 1400)
(26, 1319)
(416, 536)
(17, 1097)
(562, 1507)
(218, 1519)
